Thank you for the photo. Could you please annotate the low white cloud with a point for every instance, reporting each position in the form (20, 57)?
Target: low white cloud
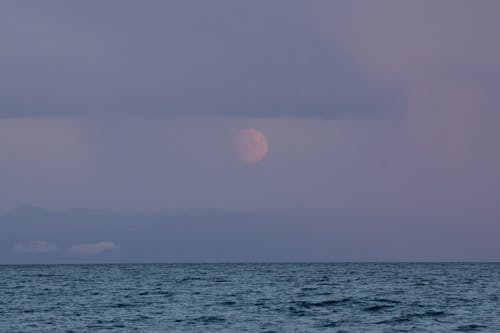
(93, 248)
(39, 246)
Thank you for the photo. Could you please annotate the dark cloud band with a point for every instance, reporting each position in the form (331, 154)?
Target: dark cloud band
(178, 59)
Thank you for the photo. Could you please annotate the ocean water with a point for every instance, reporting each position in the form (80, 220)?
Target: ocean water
(251, 298)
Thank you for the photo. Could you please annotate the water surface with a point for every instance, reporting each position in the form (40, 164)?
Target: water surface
(250, 298)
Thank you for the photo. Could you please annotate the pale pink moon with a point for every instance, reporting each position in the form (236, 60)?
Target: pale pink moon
(250, 145)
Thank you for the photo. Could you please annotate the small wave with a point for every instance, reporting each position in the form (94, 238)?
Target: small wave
(296, 312)
(140, 318)
(189, 279)
(386, 300)
(164, 293)
(412, 316)
(38, 275)
(122, 305)
(211, 319)
(378, 307)
(308, 288)
(469, 328)
(396, 320)
(326, 303)
(330, 323)
(434, 314)
(219, 280)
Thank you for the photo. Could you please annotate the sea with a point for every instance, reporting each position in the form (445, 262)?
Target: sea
(336, 297)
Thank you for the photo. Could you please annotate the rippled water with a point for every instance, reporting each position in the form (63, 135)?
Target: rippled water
(251, 298)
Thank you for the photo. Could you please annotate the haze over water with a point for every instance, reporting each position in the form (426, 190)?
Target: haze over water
(250, 298)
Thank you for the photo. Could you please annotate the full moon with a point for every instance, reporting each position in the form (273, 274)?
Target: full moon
(250, 145)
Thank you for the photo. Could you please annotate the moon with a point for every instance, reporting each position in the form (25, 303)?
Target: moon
(250, 145)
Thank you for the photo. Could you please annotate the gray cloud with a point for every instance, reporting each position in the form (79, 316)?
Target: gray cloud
(176, 59)
(39, 246)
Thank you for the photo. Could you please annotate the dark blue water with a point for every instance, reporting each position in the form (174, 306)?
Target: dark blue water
(251, 298)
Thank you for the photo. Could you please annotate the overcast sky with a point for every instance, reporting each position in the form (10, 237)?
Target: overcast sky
(366, 105)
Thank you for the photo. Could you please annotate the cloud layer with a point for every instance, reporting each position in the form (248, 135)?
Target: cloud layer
(178, 58)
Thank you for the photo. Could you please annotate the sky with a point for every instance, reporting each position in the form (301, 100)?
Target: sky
(386, 107)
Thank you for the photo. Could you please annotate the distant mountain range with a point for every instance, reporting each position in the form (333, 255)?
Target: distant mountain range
(34, 235)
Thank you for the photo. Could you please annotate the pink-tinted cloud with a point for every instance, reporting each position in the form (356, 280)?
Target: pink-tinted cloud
(401, 38)
(444, 55)
(93, 248)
